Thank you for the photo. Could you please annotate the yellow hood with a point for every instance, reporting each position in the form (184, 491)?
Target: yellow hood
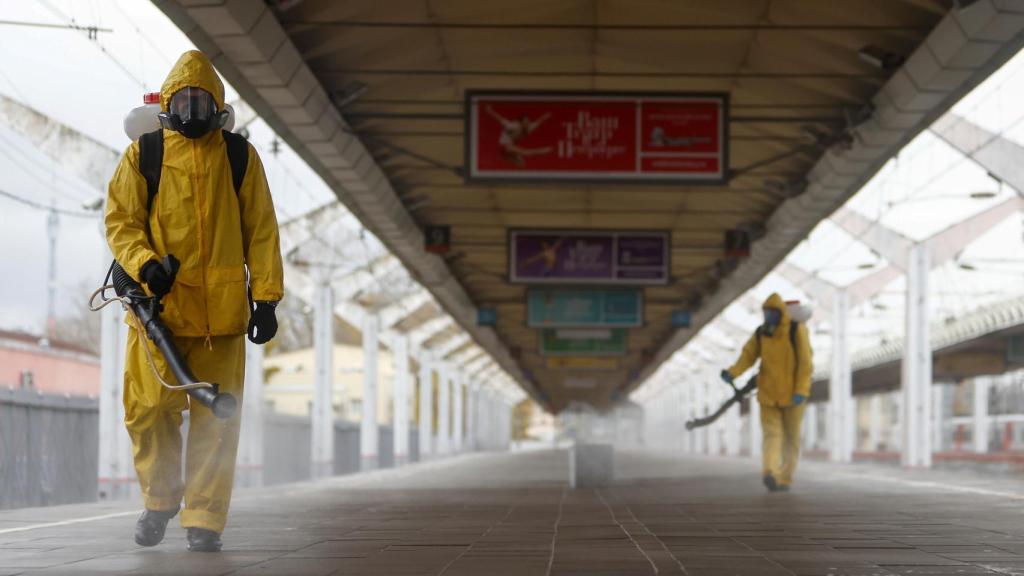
(192, 69)
(775, 301)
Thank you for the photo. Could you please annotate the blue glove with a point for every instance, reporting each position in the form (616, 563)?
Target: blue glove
(726, 376)
(798, 399)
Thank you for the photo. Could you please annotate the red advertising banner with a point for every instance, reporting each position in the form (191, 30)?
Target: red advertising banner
(596, 137)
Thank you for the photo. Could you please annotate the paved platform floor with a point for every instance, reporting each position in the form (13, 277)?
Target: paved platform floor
(512, 514)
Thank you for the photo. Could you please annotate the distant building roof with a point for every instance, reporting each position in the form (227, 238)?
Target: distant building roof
(34, 342)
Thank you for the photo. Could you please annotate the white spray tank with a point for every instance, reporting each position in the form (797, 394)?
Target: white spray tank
(798, 312)
(144, 119)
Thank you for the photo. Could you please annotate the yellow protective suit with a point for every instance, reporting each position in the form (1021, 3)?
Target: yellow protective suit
(785, 370)
(216, 234)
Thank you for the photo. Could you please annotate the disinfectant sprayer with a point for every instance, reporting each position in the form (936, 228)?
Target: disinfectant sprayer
(145, 312)
(738, 394)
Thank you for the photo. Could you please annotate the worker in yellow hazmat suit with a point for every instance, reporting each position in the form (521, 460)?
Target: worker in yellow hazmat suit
(783, 385)
(217, 232)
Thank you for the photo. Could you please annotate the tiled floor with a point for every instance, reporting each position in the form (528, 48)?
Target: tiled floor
(512, 514)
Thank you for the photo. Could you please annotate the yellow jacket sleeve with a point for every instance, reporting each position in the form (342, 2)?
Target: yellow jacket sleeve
(260, 238)
(804, 362)
(751, 352)
(127, 215)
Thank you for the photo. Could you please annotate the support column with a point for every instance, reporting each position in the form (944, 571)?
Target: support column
(917, 363)
(400, 424)
(426, 415)
(979, 432)
(732, 431)
(700, 403)
(715, 429)
(116, 471)
(874, 422)
(471, 416)
(322, 414)
(444, 409)
(368, 431)
(755, 429)
(839, 388)
(810, 427)
(458, 416)
(249, 464)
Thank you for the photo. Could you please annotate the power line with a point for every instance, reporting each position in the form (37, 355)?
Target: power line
(96, 41)
(38, 206)
(51, 171)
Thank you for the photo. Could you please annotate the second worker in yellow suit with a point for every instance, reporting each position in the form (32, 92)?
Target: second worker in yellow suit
(783, 385)
(218, 234)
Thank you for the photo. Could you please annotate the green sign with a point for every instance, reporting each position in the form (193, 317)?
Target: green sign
(558, 343)
(562, 308)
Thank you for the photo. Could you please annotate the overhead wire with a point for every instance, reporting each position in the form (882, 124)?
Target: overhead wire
(117, 62)
(50, 171)
(39, 206)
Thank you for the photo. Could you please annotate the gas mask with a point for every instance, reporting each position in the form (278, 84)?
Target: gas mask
(772, 319)
(193, 112)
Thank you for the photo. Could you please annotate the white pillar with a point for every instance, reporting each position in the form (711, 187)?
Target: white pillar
(426, 415)
(755, 428)
(715, 429)
(116, 470)
(458, 416)
(368, 432)
(874, 422)
(472, 418)
(249, 463)
(444, 423)
(400, 424)
(700, 403)
(840, 393)
(917, 363)
(810, 427)
(732, 428)
(322, 416)
(979, 432)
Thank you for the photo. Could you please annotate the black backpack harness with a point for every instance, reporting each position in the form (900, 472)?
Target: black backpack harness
(151, 159)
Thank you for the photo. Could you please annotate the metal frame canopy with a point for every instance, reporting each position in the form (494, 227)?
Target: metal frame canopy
(372, 95)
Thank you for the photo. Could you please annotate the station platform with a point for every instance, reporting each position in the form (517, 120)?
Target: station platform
(511, 514)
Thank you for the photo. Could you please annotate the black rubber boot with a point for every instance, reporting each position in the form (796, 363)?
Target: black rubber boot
(203, 540)
(769, 483)
(150, 528)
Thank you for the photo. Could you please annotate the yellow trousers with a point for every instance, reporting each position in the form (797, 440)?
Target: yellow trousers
(781, 448)
(153, 417)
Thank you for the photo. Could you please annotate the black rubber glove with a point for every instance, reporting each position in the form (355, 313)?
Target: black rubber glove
(263, 323)
(157, 278)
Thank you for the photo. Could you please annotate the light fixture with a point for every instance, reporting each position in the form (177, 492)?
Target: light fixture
(349, 94)
(982, 194)
(880, 58)
(866, 266)
(967, 266)
(94, 204)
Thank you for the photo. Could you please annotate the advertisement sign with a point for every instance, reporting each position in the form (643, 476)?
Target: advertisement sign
(582, 363)
(584, 308)
(552, 343)
(553, 136)
(588, 257)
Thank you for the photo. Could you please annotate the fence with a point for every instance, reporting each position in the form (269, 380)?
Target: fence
(49, 448)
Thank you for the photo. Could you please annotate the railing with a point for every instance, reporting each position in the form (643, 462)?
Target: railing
(49, 449)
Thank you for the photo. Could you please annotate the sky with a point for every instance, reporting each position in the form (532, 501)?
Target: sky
(90, 85)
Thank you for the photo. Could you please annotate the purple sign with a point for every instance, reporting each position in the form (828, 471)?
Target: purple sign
(583, 257)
